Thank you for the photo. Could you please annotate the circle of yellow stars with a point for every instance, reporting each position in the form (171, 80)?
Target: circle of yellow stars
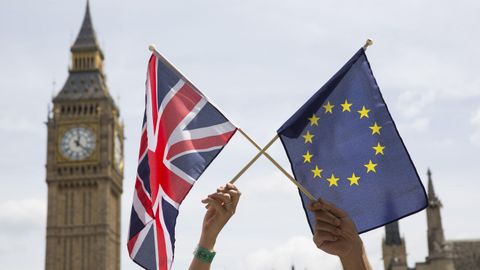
(370, 166)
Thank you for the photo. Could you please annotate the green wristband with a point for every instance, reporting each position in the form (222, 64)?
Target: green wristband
(204, 254)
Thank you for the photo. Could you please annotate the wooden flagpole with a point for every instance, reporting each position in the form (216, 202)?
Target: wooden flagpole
(250, 163)
(263, 151)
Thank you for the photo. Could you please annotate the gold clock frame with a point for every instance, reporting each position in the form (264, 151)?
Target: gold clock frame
(94, 157)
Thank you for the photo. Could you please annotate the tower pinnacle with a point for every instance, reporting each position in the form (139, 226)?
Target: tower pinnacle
(86, 79)
(431, 190)
(86, 39)
(393, 247)
(392, 234)
(436, 237)
(86, 53)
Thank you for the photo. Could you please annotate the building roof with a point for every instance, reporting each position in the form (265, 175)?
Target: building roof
(466, 254)
(84, 85)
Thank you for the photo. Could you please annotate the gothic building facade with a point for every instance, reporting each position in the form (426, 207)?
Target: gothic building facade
(442, 254)
(84, 170)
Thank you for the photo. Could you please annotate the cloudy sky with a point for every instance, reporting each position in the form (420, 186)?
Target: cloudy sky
(258, 60)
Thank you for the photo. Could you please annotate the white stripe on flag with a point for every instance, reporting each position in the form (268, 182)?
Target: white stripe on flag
(140, 209)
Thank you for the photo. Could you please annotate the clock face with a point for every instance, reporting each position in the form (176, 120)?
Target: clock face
(77, 143)
(118, 151)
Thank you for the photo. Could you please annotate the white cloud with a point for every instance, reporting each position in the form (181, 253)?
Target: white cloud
(414, 103)
(419, 124)
(22, 214)
(270, 182)
(413, 108)
(298, 251)
(11, 123)
(475, 120)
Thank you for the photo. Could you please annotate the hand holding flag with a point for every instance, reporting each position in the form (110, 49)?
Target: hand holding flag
(335, 233)
(221, 206)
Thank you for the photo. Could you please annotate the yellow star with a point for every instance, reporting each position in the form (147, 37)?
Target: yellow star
(313, 120)
(363, 112)
(375, 129)
(317, 172)
(346, 106)
(371, 166)
(328, 107)
(307, 157)
(378, 149)
(333, 181)
(354, 179)
(308, 137)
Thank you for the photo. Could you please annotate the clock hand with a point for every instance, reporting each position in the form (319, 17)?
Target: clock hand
(82, 146)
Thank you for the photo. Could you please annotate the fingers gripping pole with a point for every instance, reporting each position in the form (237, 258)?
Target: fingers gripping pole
(263, 151)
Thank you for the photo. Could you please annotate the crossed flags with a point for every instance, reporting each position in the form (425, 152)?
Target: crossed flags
(342, 145)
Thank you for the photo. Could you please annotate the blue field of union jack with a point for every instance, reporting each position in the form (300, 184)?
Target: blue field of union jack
(181, 135)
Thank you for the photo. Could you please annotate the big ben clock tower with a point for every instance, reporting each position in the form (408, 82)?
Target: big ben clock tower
(84, 165)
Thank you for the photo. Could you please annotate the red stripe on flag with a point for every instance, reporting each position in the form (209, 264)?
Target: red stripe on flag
(203, 143)
(146, 202)
(174, 186)
(131, 243)
(161, 246)
(143, 144)
(175, 112)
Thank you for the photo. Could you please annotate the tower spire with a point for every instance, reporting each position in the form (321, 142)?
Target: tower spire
(86, 38)
(392, 234)
(393, 248)
(86, 79)
(431, 191)
(436, 237)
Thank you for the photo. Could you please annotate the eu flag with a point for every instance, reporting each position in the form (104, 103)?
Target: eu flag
(344, 148)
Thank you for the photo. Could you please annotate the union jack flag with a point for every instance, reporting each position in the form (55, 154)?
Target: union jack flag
(181, 134)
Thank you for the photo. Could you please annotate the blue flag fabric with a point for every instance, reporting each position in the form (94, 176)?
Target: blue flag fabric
(344, 148)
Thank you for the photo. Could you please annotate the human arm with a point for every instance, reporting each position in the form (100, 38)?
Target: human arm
(336, 234)
(221, 206)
